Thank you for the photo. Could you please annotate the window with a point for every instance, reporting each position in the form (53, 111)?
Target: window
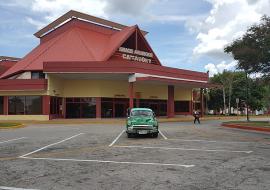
(25, 105)
(1, 105)
(37, 75)
(159, 107)
(80, 107)
(33, 105)
(136, 113)
(55, 105)
(106, 107)
(181, 106)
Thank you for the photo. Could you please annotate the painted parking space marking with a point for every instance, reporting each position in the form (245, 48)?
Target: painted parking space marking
(12, 140)
(14, 188)
(207, 141)
(186, 149)
(113, 162)
(50, 145)
(163, 135)
(114, 141)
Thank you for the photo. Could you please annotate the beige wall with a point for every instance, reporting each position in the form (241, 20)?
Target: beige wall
(181, 93)
(151, 91)
(55, 86)
(95, 88)
(103, 88)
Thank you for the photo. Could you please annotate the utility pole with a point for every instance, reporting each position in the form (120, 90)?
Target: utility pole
(247, 95)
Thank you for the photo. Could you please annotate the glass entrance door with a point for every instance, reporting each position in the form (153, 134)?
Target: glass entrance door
(120, 109)
(80, 107)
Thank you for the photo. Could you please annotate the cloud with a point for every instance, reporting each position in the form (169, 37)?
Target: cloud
(142, 9)
(133, 8)
(36, 23)
(219, 68)
(52, 9)
(227, 20)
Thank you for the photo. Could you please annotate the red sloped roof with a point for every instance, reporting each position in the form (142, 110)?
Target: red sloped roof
(74, 43)
(5, 65)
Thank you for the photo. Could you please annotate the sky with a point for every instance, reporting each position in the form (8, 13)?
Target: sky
(186, 34)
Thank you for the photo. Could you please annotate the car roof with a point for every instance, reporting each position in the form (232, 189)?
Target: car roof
(146, 109)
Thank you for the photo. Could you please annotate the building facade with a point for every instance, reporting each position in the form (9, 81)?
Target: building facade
(87, 67)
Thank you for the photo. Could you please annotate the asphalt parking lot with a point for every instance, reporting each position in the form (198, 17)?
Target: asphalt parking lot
(100, 156)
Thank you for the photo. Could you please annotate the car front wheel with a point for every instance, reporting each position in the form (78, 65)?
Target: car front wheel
(155, 135)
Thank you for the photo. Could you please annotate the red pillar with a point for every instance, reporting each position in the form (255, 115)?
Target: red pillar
(190, 107)
(64, 107)
(5, 104)
(130, 93)
(170, 102)
(98, 107)
(137, 96)
(46, 105)
(201, 102)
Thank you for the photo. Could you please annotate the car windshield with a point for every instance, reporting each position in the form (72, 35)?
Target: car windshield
(144, 113)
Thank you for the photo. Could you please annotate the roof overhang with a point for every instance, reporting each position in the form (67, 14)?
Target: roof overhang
(82, 16)
(175, 82)
(124, 67)
(23, 84)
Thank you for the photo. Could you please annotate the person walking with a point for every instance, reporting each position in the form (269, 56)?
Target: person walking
(196, 115)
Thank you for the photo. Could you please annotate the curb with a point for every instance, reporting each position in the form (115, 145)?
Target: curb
(246, 127)
(13, 127)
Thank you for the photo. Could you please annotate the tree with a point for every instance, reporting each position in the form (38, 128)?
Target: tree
(216, 100)
(227, 80)
(252, 50)
(257, 92)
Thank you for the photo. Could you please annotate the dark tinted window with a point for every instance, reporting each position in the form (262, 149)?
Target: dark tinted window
(37, 75)
(106, 107)
(55, 104)
(80, 107)
(143, 113)
(33, 105)
(181, 106)
(25, 105)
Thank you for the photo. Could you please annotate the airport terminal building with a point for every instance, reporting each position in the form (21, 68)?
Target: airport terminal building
(88, 67)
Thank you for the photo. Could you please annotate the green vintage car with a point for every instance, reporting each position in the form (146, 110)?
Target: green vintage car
(141, 121)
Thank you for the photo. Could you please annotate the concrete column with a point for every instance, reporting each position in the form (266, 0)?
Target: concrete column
(46, 105)
(64, 107)
(98, 107)
(131, 94)
(170, 102)
(201, 102)
(190, 107)
(5, 105)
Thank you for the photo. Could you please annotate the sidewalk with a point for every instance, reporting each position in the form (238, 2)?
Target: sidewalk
(123, 120)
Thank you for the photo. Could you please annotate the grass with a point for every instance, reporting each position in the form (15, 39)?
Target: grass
(8, 125)
(251, 123)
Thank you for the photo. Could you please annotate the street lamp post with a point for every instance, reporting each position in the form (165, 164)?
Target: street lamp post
(237, 105)
(247, 95)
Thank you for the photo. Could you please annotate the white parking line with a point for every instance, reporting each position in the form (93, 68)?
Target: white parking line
(163, 135)
(114, 141)
(191, 140)
(188, 149)
(14, 188)
(13, 140)
(113, 162)
(49, 145)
